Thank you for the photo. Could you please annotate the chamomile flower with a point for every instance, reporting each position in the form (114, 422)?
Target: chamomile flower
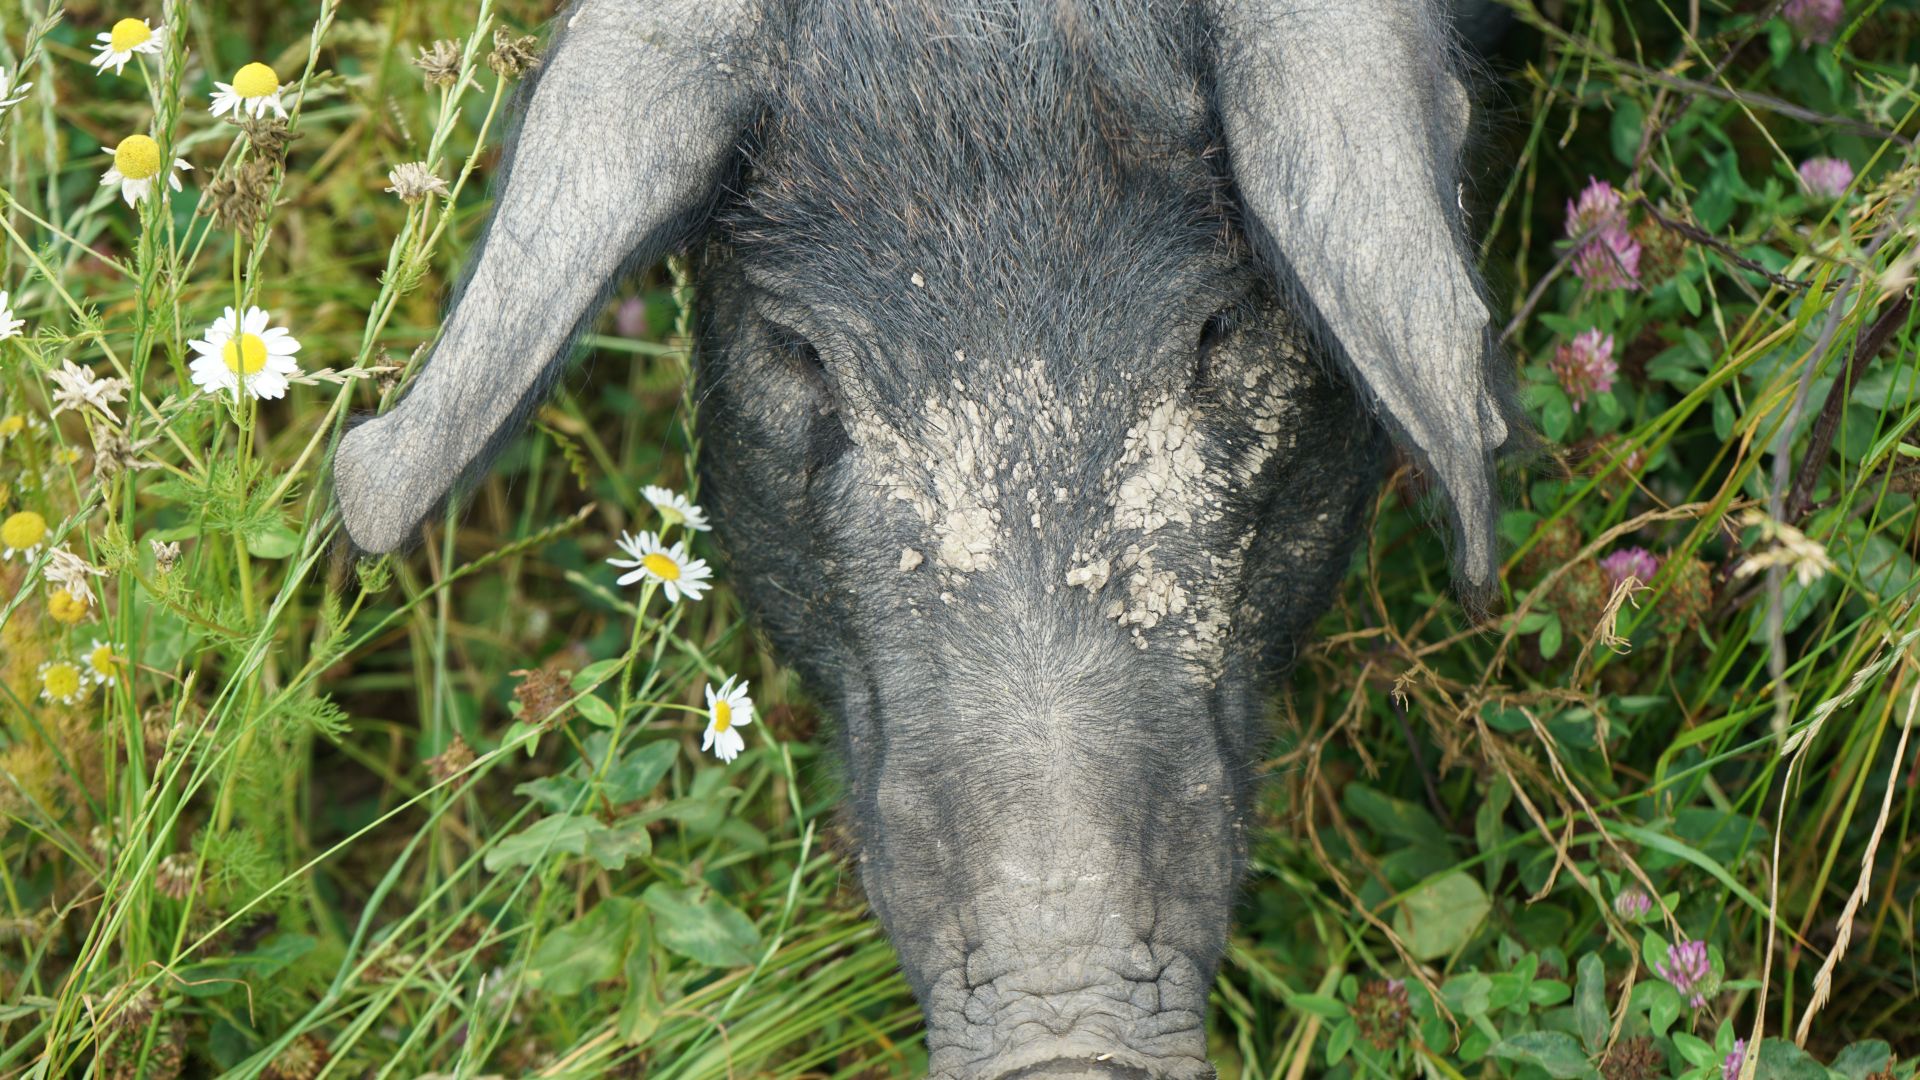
(103, 665)
(22, 534)
(62, 682)
(13, 425)
(9, 326)
(244, 353)
(255, 89)
(728, 710)
(116, 46)
(136, 165)
(678, 573)
(674, 508)
(66, 608)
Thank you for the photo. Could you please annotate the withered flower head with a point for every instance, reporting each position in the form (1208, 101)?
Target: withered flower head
(513, 54)
(269, 136)
(440, 63)
(414, 181)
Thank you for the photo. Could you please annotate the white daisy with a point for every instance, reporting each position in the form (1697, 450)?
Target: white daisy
(728, 710)
(678, 574)
(103, 665)
(256, 357)
(128, 36)
(22, 534)
(254, 89)
(62, 681)
(9, 326)
(674, 508)
(136, 164)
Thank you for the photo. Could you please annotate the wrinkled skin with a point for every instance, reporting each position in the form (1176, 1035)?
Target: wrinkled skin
(1037, 432)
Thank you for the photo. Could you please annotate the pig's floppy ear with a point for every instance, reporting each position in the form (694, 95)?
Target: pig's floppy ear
(626, 134)
(1344, 123)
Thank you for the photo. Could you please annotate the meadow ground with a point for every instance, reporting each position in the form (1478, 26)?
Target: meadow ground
(270, 812)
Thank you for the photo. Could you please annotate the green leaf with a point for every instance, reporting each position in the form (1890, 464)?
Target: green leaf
(1339, 1041)
(1663, 1006)
(549, 836)
(1696, 1050)
(1862, 1058)
(1470, 994)
(612, 846)
(637, 773)
(1624, 132)
(1550, 639)
(1689, 296)
(1441, 916)
(558, 794)
(597, 712)
(1590, 1003)
(588, 950)
(1553, 1051)
(641, 1008)
(595, 673)
(274, 541)
(1393, 817)
(701, 927)
(1318, 1005)
(1782, 1060)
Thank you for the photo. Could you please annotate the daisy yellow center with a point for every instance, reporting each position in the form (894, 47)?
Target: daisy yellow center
(12, 425)
(101, 660)
(62, 680)
(138, 158)
(129, 34)
(662, 567)
(245, 355)
(23, 530)
(66, 607)
(255, 80)
(722, 715)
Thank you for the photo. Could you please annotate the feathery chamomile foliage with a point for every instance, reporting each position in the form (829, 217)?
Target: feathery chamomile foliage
(266, 811)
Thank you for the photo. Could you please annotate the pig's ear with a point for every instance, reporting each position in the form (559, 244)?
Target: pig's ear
(1344, 124)
(636, 113)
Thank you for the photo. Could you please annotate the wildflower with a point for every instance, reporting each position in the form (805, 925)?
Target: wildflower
(414, 181)
(15, 424)
(440, 64)
(1611, 260)
(1791, 549)
(678, 574)
(9, 326)
(512, 53)
(244, 353)
(1380, 1012)
(254, 90)
(1585, 366)
(136, 164)
(22, 534)
(674, 508)
(103, 666)
(1598, 210)
(1632, 903)
(174, 876)
(1630, 562)
(116, 46)
(165, 555)
(1814, 21)
(11, 93)
(630, 318)
(70, 572)
(1826, 177)
(62, 682)
(727, 711)
(1688, 969)
(79, 388)
(66, 608)
(1730, 1068)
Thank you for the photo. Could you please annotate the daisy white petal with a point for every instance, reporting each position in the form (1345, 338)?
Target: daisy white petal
(243, 352)
(22, 534)
(113, 48)
(675, 509)
(62, 682)
(728, 710)
(136, 165)
(102, 663)
(678, 573)
(9, 326)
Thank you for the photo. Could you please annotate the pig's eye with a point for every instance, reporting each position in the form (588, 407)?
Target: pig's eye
(805, 359)
(1212, 333)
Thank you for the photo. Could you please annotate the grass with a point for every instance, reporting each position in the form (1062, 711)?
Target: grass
(446, 814)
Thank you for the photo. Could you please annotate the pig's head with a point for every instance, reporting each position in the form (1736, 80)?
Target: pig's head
(1014, 323)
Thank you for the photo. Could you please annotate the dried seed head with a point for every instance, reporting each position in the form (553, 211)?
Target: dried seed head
(541, 694)
(269, 136)
(122, 1009)
(414, 181)
(174, 876)
(239, 201)
(301, 1060)
(451, 761)
(1381, 1012)
(1635, 1058)
(513, 54)
(165, 555)
(440, 64)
